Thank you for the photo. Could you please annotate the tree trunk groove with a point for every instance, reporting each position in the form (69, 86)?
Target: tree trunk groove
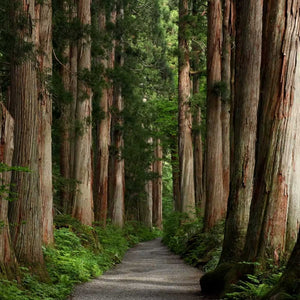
(25, 213)
(247, 85)
(293, 218)
(8, 263)
(267, 226)
(44, 25)
(226, 94)
(215, 208)
(118, 183)
(185, 141)
(104, 128)
(83, 202)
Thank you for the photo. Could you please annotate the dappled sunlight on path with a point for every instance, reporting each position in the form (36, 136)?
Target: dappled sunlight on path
(148, 271)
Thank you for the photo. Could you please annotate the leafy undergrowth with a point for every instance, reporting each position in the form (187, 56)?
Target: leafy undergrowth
(258, 285)
(80, 253)
(200, 249)
(186, 238)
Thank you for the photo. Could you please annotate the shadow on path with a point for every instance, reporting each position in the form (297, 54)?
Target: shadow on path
(148, 271)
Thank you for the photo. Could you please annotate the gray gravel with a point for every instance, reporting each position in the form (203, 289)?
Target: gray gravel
(148, 271)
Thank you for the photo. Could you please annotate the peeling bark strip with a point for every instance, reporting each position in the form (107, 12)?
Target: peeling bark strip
(267, 227)
(185, 148)
(215, 209)
(44, 27)
(8, 262)
(83, 202)
(26, 211)
(246, 95)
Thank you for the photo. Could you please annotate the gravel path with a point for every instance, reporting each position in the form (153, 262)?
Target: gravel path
(148, 271)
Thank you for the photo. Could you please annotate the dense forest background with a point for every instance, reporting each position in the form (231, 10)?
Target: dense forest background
(119, 118)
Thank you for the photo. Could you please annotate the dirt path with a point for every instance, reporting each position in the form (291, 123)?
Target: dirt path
(148, 271)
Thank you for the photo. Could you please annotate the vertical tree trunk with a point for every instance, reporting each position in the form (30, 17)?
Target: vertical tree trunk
(103, 132)
(215, 208)
(198, 157)
(25, 213)
(293, 218)
(157, 186)
(44, 25)
(175, 175)
(147, 205)
(247, 85)
(185, 148)
(83, 203)
(66, 123)
(8, 263)
(226, 79)
(267, 226)
(118, 194)
(197, 137)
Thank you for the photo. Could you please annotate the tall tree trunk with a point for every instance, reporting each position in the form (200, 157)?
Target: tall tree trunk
(198, 157)
(197, 137)
(147, 204)
(157, 186)
(25, 213)
(226, 79)
(83, 202)
(175, 175)
(104, 128)
(8, 263)
(118, 194)
(247, 85)
(267, 226)
(44, 25)
(215, 208)
(293, 218)
(67, 119)
(185, 148)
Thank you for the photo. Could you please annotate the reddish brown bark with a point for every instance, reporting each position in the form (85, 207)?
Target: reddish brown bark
(26, 211)
(8, 263)
(103, 130)
(83, 201)
(293, 218)
(226, 79)
(185, 148)
(267, 226)
(44, 27)
(215, 209)
(246, 95)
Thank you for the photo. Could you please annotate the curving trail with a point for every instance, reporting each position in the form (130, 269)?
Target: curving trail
(148, 271)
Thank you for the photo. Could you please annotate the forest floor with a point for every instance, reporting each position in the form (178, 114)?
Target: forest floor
(148, 271)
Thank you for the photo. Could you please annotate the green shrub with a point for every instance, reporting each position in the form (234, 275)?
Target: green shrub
(80, 253)
(186, 238)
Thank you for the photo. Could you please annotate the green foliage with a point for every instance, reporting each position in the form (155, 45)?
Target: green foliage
(186, 238)
(79, 254)
(254, 286)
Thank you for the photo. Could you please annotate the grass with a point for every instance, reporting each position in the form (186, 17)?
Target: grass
(80, 254)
